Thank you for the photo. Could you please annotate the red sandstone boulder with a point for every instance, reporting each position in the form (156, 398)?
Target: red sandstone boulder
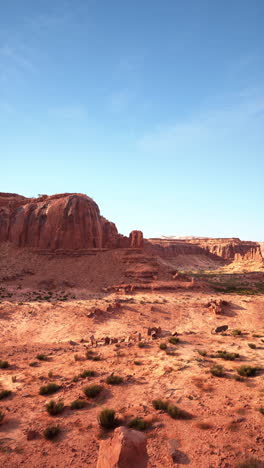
(125, 449)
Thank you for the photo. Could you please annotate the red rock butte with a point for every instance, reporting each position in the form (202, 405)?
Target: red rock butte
(62, 221)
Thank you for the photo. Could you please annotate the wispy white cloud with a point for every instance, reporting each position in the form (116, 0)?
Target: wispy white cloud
(235, 115)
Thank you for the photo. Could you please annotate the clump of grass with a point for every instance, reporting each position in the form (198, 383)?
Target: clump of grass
(202, 352)
(107, 418)
(42, 357)
(49, 389)
(247, 371)
(261, 410)
(236, 332)
(137, 363)
(4, 364)
(160, 405)
(252, 345)
(174, 340)
(54, 408)
(163, 346)
(141, 344)
(5, 394)
(217, 371)
(227, 356)
(51, 432)
(138, 423)
(87, 373)
(33, 364)
(172, 410)
(177, 413)
(91, 391)
(114, 380)
(50, 374)
(78, 404)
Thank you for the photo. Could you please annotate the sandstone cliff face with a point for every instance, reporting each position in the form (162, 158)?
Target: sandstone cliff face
(64, 221)
(232, 249)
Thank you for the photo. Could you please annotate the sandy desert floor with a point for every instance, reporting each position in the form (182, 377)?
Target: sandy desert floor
(225, 427)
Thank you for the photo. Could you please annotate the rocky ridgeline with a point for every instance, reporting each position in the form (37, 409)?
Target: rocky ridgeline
(230, 249)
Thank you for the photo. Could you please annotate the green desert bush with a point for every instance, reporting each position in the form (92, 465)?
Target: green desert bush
(227, 356)
(4, 394)
(252, 345)
(54, 408)
(217, 371)
(138, 424)
(261, 410)
(107, 418)
(78, 404)
(91, 391)
(160, 405)
(42, 357)
(174, 340)
(163, 346)
(87, 373)
(236, 332)
(51, 432)
(4, 364)
(49, 389)
(141, 344)
(114, 380)
(247, 371)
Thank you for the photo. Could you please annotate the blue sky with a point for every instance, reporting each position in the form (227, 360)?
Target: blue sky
(153, 108)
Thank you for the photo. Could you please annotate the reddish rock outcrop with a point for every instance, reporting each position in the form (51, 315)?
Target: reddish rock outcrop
(63, 221)
(136, 239)
(125, 449)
